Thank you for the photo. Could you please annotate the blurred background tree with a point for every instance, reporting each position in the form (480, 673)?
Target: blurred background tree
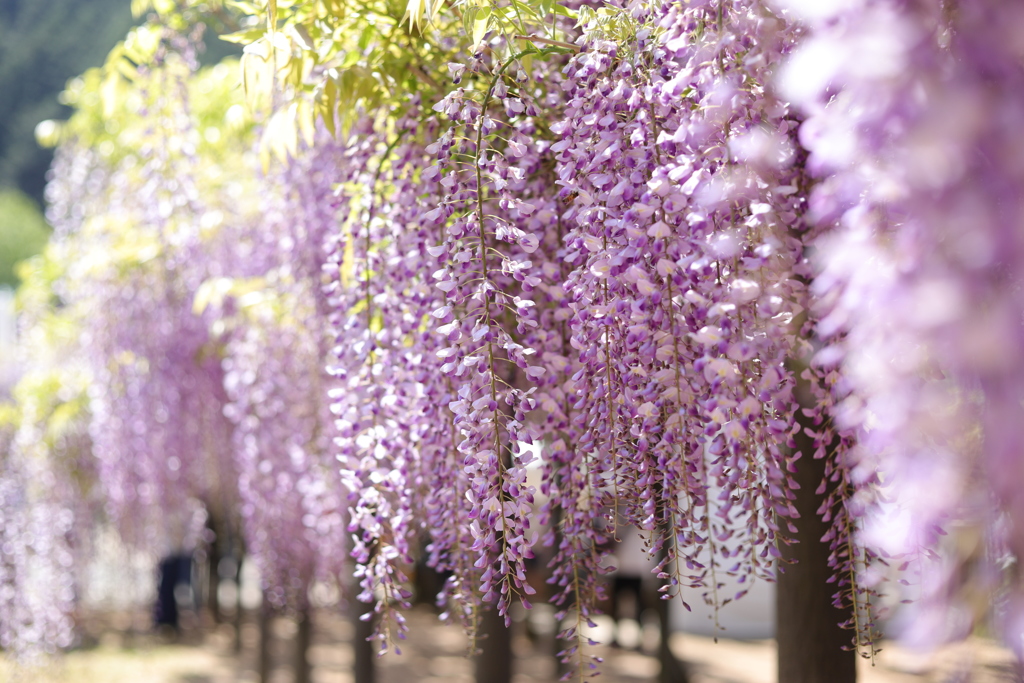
(42, 45)
(23, 232)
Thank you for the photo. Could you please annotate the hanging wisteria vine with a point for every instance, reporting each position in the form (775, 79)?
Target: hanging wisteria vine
(276, 350)
(914, 147)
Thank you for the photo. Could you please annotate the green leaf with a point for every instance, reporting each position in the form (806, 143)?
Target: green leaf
(140, 7)
(351, 59)
(481, 23)
(245, 7)
(305, 119)
(246, 37)
(141, 44)
(306, 41)
(525, 9)
(327, 104)
(561, 10)
(414, 13)
(366, 38)
(281, 137)
(258, 74)
(468, 17)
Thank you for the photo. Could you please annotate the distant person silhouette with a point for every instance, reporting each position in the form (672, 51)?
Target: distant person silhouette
(175, 570)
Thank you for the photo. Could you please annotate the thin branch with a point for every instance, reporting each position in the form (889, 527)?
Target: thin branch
(548, 41)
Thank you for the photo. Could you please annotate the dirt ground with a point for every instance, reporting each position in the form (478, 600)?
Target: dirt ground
(434, 653)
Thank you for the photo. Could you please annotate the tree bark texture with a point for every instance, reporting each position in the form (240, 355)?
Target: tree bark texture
(266, 636)
(672, 670)
(238, 601)
(494, 662)
(364, 659)
(303, 641)
(810, 641)
(213, 557)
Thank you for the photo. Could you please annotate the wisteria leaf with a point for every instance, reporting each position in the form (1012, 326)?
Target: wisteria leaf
(481, 23)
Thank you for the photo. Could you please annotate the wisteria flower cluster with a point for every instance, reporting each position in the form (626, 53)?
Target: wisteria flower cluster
(626, 284)
(158, 397)
(38, 525)
(913, 111)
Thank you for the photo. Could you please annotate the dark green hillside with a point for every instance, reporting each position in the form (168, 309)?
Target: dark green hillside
(42, 45)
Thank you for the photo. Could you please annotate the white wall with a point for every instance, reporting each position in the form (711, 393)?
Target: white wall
(752, 617)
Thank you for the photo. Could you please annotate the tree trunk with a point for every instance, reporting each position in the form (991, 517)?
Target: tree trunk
(213, 556)
(810, 640)
(672, 670)
(266, 637)
(303, 641)
(238, 601)
(494, 663)
(364, 659)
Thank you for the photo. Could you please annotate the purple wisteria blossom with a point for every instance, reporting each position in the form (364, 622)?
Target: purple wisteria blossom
(914, 114)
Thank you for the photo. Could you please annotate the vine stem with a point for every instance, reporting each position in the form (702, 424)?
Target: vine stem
(481, 217)
(549, 41)
(369, 218)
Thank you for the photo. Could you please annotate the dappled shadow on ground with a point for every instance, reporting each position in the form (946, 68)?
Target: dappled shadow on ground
(435, 653)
